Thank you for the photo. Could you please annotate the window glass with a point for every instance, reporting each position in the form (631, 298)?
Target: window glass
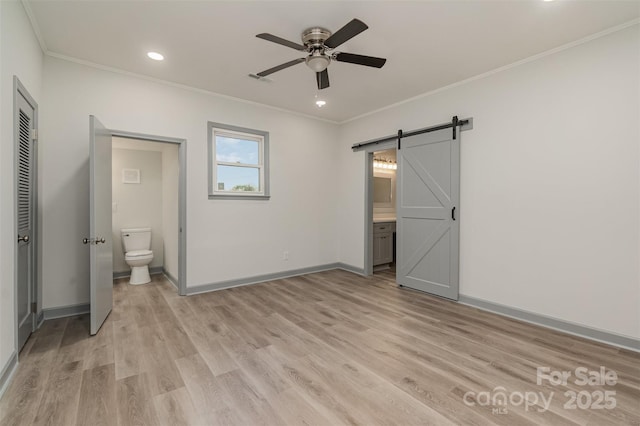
(232, 178)
(234, 150)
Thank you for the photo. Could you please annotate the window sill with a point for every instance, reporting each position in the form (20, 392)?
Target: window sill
(238, 197)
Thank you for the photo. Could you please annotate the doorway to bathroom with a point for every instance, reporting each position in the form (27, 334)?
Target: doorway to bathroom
(145, 203)
(383, 214)
(100, 239)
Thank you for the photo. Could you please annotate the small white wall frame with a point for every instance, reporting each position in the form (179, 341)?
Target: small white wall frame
(130, 175)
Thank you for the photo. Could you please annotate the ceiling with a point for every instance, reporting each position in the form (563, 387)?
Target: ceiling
(211, 45)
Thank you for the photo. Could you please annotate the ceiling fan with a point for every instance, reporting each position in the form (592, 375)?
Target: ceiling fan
(319, 43)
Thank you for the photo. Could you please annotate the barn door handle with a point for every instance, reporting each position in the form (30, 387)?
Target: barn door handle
(453, 213)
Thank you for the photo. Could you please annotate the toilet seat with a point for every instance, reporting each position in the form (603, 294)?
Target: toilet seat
(138, 253)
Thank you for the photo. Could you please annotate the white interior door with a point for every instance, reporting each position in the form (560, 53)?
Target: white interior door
(427, 230)
(100, 240)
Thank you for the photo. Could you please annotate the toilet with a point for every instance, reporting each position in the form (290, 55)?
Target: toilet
(137, 253)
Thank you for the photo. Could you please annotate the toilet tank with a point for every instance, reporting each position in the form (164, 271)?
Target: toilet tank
(136, 239)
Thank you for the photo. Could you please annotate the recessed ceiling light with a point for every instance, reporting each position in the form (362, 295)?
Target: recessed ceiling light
(155, 56)
(320, 103)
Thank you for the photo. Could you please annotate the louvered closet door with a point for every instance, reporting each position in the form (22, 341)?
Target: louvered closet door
(25, 185)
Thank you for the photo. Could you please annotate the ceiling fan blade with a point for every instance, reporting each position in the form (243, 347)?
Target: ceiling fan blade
(368, 61)
(280, 40)
(322, 78)
(280, 67)
(345, 33)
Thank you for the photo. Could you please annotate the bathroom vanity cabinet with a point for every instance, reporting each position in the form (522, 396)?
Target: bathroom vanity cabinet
(383, 243)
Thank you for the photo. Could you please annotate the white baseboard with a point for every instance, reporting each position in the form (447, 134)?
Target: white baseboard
(220, 285)
(7, 372)
(607, 337)
(66, 311)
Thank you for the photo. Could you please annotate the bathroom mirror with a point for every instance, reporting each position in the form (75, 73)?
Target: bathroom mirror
(382, 191)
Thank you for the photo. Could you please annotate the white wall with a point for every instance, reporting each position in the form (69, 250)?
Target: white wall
(170, 220)
(21, 56)
(226, 239)
(137, 205)
(549, 182)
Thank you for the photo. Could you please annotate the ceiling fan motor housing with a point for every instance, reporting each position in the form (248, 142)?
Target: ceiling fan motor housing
(314, 39)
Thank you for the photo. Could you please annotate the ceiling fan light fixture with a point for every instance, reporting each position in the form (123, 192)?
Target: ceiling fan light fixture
(318, 62)
(155, 56)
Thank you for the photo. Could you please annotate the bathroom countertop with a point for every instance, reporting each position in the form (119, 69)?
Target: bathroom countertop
(384, 219)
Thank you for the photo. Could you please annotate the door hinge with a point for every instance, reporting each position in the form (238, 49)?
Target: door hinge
(34, 307)
(34, 134)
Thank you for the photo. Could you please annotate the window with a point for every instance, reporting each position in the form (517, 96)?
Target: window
(238, 162)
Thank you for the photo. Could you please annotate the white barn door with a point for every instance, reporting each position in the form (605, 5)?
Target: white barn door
(428, 179)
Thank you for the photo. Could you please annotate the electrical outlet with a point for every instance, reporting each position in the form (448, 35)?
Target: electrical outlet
(285, 255)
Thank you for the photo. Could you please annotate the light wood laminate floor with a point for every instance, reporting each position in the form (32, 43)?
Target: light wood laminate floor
(328, 348)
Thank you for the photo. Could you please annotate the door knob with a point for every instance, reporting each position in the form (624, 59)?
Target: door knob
(93, 240)
(24, 238)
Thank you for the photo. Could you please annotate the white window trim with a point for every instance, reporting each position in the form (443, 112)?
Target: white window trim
(259, 136)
